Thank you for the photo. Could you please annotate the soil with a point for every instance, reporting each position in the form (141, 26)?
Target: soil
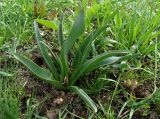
(50, 101)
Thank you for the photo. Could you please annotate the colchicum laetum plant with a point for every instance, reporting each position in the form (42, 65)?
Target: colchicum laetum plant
(60, 73)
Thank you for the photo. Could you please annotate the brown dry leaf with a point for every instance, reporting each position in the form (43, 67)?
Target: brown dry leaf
(42, 9)
(35, 8)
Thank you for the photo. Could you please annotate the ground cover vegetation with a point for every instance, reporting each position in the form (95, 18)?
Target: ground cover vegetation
(96, 59)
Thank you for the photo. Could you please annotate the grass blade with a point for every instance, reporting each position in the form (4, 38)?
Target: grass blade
(131, 113)
(5, 74)
(122, 108)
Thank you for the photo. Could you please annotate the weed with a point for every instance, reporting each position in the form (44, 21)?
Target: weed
(69, 75)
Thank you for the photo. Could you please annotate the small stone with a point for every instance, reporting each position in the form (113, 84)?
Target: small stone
(58, 101)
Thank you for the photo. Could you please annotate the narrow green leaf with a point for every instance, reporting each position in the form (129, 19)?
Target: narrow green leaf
(84, 96)
(44, 52)
(106, 79)
(131, 30)
(151, 48)
(49, 24)
(146, 42)
(90, 64)
(137, 28)
(119, 27)
(131, 113)
(42, 73)
(145, 35)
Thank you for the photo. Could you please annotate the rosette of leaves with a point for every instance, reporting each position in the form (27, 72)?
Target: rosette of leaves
(59, 73)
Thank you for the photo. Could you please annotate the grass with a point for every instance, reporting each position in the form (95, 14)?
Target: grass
(10, 93)
(127, 90)
(16, 20)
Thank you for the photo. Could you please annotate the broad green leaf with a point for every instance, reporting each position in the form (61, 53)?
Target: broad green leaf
(84, 96)
(49, 24)
(6, 74)
(44, 52)
(90, 64)
(77, 30)
(113, 60)
(57, 60)
(42, 73)
(106, 61)
(85, 47)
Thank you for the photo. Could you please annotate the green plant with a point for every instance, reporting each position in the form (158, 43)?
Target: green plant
(9, 101)
(9, 107)
(15, 14)
(62, 73)
(134, 25)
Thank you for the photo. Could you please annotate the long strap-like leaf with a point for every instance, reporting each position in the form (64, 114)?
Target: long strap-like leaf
(42, 73)
(77, 30)
(113, 60)
(58, 61)
(84, 96)
(44, 52)
(90, 64)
